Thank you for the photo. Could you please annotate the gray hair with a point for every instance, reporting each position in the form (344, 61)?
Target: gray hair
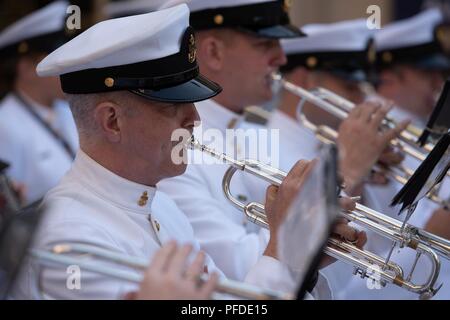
(83, 106)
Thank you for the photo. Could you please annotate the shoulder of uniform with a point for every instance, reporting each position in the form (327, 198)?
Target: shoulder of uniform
(256, 114)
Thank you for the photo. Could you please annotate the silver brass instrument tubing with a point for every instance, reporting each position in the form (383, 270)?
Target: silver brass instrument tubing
(362, 260)
(340, 107)
(58, 255)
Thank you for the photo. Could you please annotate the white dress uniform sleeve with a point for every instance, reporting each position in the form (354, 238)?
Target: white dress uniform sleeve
(65, 282)
(233, 250)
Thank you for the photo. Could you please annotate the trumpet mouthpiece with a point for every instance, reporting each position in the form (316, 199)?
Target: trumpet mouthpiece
(276, 76)
(276, 84)
(192, 143)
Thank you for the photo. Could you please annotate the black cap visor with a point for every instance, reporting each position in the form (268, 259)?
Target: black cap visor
(194, 90)
(355, 76)
(276, 32)
(267, 19)
(434, 62)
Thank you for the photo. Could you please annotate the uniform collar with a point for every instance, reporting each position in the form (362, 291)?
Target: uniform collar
(107, 185)
(289, 124)
(214, 115)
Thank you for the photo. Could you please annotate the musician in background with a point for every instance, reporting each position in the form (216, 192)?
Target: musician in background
(38, 134)
(340, 57)
(413, 63)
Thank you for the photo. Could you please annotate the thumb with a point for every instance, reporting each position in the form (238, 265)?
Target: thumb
(271, 195)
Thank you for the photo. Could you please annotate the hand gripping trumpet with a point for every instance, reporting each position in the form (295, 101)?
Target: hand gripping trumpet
(340, 107)
(364, 262)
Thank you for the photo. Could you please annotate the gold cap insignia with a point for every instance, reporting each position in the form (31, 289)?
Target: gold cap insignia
(311, 62)
(443, 36)
(143, 199)
(218, 19)
(387, 57)
(109, 82)
(22, 48)
(192, 55)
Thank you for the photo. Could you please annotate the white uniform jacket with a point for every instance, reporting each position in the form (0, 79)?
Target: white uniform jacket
(37, 159)
(94, 206)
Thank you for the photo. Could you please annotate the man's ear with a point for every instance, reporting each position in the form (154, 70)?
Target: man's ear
(107, 115)
(211, 52)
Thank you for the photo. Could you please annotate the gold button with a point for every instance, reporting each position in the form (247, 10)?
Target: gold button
(143, 199)
(387, 57)
(23, 47)
(109, 82)
(311, 62)
(157, 225)
(443, 36)
(218, 19)
(232, 123)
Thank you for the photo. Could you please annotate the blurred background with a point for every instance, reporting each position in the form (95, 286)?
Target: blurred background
(302, 11)
(325, 11)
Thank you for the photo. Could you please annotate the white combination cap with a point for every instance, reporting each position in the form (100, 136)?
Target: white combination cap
(345, 48)
(152, 55)
(350, 35)
(125, 8)
(422, 40)
(265, 18)
(42, 30)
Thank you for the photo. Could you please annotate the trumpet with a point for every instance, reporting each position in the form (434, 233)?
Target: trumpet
(59, 255)
(364, 262)
(340, 107)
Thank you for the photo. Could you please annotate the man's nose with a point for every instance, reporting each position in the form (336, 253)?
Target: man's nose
(279, 57)
(191, 115)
